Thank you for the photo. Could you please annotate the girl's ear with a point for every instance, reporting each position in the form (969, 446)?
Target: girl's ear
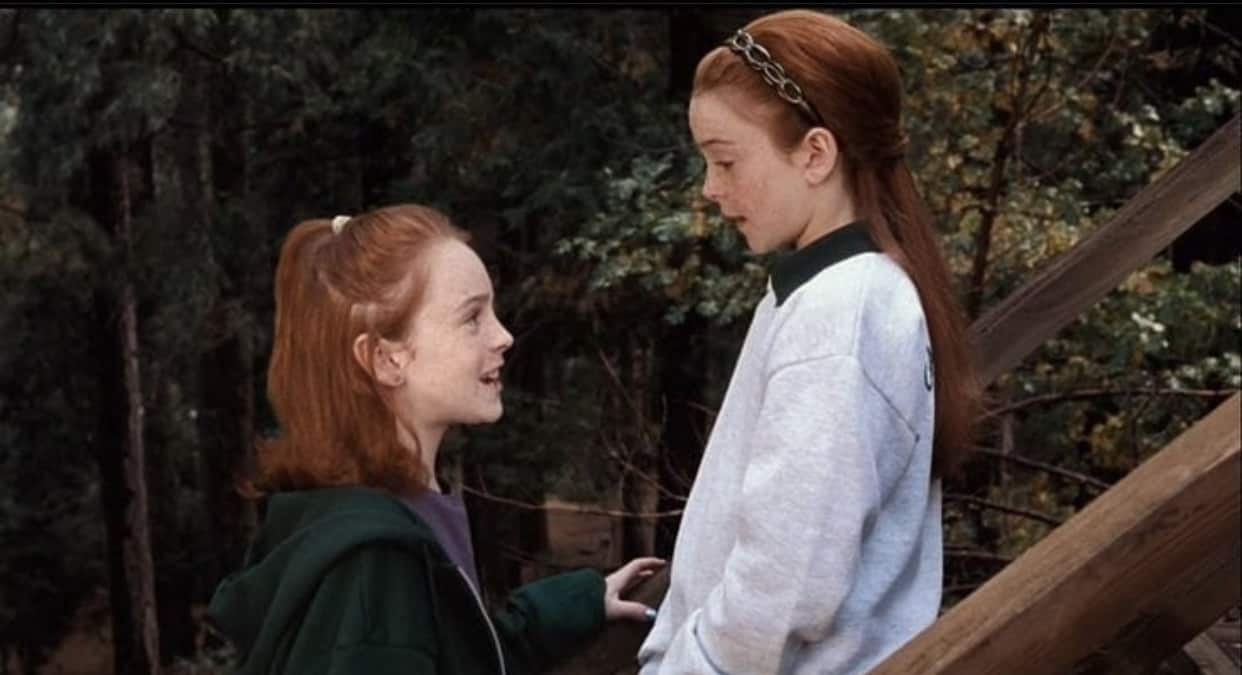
(819, 155)
(383, 359)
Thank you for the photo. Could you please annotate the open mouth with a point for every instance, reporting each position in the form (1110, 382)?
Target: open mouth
(492, 379)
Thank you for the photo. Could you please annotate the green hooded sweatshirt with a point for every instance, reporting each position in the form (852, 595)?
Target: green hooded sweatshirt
(350, 580)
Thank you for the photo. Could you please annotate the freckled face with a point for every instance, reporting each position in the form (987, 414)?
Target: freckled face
(755, 183)
(458, 343)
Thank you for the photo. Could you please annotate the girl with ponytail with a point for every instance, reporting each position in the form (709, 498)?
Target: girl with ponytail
(811, 540)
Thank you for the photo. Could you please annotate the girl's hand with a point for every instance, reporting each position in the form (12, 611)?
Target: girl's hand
(618, 582)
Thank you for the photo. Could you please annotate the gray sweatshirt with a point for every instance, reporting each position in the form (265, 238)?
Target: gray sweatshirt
(811, 540)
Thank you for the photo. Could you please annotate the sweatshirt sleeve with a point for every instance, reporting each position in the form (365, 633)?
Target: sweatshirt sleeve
(545, 620)
(809, 493)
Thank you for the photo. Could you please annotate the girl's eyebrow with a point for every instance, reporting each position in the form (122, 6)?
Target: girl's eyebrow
(474, 299)
(715, 141)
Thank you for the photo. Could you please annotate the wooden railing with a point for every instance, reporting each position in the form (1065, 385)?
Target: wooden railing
(1148, 564)
(1120, 586)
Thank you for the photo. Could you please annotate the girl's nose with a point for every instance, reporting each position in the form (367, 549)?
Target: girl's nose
(711, 191)
(506, 338)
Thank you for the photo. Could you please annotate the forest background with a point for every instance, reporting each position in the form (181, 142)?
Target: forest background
(152, 160)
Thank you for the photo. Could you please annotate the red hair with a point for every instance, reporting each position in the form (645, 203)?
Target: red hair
(854, 83)
(330, 288)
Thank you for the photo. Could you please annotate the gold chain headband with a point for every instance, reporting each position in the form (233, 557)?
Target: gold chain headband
(760, 59)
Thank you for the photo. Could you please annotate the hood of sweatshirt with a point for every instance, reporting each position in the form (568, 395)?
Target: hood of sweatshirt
(303, 535)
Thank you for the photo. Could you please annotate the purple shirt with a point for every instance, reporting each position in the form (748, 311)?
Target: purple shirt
(446, 514)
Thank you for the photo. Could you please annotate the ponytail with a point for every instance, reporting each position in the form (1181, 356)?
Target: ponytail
(903, 229)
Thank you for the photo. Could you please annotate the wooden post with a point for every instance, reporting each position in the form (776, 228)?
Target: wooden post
(1140, 568)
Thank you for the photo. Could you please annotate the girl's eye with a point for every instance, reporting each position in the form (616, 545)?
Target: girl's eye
(473, 319)
(724, 165)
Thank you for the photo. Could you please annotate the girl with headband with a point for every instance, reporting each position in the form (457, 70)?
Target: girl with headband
(811, 540)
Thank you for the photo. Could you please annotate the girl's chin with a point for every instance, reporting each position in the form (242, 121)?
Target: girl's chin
(756, 243)
(758, 247)
(488, 415)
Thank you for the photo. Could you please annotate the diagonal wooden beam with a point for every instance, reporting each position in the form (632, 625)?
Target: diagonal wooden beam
(1082, 276)
(1138, 568)
(1202, 592)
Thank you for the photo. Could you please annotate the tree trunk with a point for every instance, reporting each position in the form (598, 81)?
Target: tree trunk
(120, 450)
(226, 418)
(682, 358)
(109, 450)
(136, 547)
(225, 426)
(213, 159)
(637, 493)
(1020, 105)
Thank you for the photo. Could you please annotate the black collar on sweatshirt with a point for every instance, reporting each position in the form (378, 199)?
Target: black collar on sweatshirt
(798, 267)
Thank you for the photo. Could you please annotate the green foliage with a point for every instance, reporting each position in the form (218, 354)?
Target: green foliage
(1159, 331)
(1155, 356)
(1087, 130)
(653, 243)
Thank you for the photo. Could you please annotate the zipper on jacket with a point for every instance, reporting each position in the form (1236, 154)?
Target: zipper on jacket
(500, 655)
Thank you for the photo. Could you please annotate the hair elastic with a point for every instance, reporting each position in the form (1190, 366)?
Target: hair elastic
(338, 223)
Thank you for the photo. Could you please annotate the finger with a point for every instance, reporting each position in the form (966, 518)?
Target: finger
(630, 611)
(644, 563)
(644, 566)
(631, 572)
(628, 576)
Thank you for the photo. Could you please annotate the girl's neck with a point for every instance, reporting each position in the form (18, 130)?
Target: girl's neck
(427, 447)
(834, 209)
(834, 217)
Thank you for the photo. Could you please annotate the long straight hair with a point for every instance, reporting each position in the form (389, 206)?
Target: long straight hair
(854, 84)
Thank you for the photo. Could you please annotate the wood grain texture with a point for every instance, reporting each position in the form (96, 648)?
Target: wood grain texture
(1139, 569)
(1172, 617)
